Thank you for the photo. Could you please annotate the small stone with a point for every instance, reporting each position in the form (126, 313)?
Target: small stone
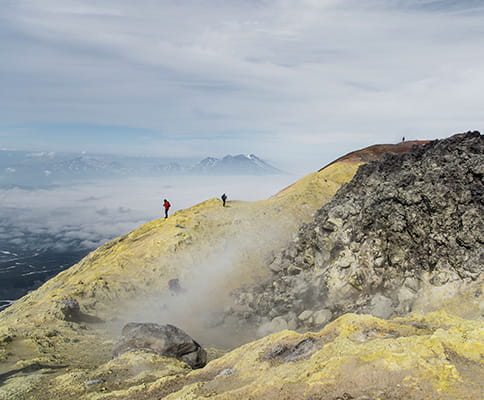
(381, 306)
(276, 351)
(303, 348)
(94, 382)
(275, 267)
(227, 372)
(308, 259)
(322, 317)
(412, 284)
(278, 324)
(293, 270)
(379, 261)
(396, 259)
(305, 315)
(336, 221)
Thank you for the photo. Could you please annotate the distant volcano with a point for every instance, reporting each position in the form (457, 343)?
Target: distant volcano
(239, 164)
(27, 169)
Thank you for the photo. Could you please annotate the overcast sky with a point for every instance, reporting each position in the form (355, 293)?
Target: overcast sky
(296, 82)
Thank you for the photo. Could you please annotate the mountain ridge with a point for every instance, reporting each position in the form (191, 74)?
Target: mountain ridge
(23, 168)
(213, 251)
(238, 164)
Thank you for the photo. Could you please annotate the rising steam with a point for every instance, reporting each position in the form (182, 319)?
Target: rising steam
(207, 282)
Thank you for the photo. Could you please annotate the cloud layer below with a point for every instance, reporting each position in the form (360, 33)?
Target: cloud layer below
(88, 215)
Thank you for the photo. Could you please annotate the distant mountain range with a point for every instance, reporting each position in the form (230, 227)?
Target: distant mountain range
(240, 164)
(22, 168)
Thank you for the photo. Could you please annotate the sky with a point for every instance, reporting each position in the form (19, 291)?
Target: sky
(298, 83)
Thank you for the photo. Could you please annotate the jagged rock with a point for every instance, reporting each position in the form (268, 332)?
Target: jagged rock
(404, 223)
(227, 372)
(69, 310)
(166, 340)
(293, 270)
(275, 267)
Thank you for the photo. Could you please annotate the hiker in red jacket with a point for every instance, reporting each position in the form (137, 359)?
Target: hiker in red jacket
(174, 286)
(166, 205)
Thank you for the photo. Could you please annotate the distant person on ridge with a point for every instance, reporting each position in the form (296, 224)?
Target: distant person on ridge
(224, 199)
(403, 139)
(166, 205)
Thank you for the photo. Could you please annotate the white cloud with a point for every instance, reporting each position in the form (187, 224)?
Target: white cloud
(253, 74)
(62, 218)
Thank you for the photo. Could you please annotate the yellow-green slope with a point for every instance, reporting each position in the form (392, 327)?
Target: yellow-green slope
(141, 262)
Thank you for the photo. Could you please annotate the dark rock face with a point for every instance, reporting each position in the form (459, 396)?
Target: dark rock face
(166, 340)
(402, 221)
(69, 310)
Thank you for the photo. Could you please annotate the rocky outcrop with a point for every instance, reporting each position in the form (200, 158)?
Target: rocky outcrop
(403, 226)
(165, 340)
(69, 310)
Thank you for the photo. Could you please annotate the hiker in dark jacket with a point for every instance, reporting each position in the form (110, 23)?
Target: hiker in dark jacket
(166, 206)
(224, 199)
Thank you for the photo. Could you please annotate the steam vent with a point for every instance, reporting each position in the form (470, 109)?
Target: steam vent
(363, 280)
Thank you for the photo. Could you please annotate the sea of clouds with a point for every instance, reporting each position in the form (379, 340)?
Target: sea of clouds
(86, 215)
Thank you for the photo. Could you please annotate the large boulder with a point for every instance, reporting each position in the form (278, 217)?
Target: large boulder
(166, 340)
(68, 310)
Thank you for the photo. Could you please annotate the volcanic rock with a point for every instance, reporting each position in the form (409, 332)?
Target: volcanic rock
(322, 317)
(404, 225)
(165, 340)
(69, 310)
